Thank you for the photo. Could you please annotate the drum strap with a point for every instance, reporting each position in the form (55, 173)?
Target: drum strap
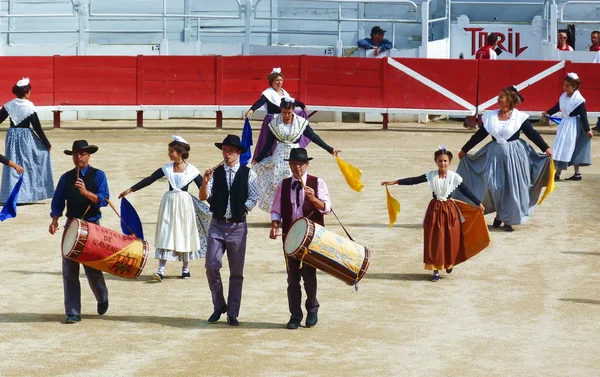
(337, 218)
(350, 237)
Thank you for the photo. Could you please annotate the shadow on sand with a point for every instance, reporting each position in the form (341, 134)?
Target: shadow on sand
(581, 301)
(183, 323)
(396, 276)
(592, 253)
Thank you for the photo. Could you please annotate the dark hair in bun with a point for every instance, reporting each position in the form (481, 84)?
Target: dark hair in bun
(21, 91)
(180, 147)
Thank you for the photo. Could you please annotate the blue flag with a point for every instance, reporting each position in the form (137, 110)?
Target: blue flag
(247, 143)
(10, 207)
(554, 119)
(131, 223)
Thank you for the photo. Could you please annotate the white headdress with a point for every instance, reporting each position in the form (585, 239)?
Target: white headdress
(573, 75)
(442, 148)
(180, 139)
(276, 70)
(23, 82)
(289, 99)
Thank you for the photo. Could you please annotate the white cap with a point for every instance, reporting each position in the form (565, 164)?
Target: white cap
(23, 82)
(573, 75)
(180, 139)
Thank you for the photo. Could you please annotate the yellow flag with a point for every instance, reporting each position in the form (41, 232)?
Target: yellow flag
(393, 207)
(550, 186)
(351, 173)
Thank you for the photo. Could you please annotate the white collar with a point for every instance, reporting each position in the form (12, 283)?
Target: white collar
(502, 131)
(233, 168)
(19, 109)
(274, 97)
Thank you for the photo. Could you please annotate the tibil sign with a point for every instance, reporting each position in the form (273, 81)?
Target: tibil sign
(516, 41)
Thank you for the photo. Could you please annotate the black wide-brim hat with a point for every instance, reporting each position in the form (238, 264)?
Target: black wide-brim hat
(232, 141)
(81, 146)
(298, 154)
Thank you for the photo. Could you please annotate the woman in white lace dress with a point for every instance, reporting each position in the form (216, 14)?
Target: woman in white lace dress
(286, 129)
(183, 220)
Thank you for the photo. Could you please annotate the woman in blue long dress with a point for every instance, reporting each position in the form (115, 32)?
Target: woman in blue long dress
(507, 174)
(27, 147)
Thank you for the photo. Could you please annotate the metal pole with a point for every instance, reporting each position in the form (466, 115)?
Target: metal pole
(248, 27)
(187, 9)
(424, 28)
(164, 19)
(274, 37)
(554, 24)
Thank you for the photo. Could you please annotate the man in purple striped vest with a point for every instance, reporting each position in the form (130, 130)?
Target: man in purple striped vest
(295, 199)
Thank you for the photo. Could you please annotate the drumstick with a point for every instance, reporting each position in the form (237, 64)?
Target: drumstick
(117, 213)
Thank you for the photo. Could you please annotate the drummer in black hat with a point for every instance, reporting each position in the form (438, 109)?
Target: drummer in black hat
(301, 195)
(377, 41)
(232, 191)
(85, 190)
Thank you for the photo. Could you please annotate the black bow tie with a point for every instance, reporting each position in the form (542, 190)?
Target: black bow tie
(297, 185)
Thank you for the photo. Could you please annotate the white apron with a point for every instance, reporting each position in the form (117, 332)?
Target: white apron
(274, 169)
(176, 227)
(566, 135)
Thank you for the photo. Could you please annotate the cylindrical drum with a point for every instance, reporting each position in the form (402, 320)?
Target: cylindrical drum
(339, 257)
(104, 249)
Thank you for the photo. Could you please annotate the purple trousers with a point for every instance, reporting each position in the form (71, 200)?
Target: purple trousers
(294, 291)
(231, 238)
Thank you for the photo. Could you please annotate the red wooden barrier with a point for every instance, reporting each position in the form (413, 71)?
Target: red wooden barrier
(542, 80)
(245, 78)
(419, 83)
(428, 84)
(95, 80)
(178, 80)
(39, 69)
(589, 74)
(349, 82)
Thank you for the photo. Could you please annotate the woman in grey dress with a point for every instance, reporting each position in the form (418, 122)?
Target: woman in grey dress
(507, 174)
(27, 147)
(573, 141)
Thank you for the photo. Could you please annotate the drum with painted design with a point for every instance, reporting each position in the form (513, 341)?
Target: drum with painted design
(333, 254)
(104, 249)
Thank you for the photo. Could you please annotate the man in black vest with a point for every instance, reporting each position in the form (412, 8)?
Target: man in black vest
(294, 200)
(232, 192)
(84, 195)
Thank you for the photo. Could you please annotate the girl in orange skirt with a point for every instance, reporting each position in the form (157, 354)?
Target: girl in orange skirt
(443, 241)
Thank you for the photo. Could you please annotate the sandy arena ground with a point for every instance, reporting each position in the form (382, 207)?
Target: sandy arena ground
(528, 305)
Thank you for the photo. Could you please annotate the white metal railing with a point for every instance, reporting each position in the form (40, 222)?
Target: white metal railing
(340, 18)
(573, 2)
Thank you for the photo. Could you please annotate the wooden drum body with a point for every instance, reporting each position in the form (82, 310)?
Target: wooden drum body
(104, 249)
(339, 257)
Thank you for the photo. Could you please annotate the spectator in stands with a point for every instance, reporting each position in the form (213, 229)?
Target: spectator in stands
(595, 36)
(489, 51)
(377, 41)
(562, 42)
